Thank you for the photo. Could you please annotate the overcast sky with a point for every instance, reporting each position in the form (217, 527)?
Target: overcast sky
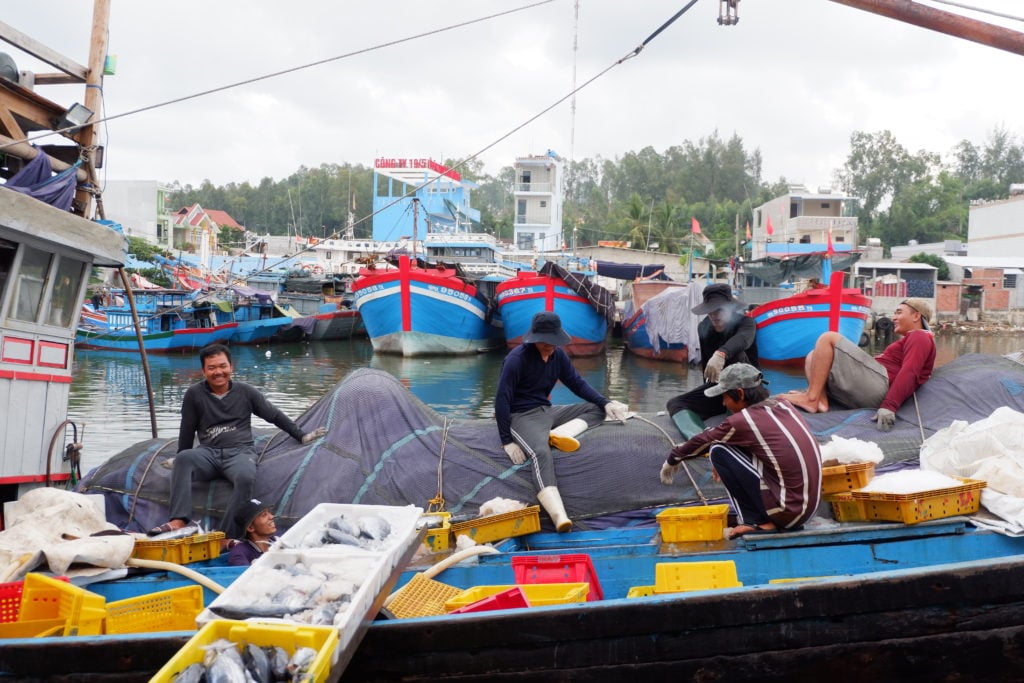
(794, 79)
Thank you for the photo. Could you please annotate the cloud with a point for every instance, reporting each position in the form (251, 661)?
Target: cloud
(793, 79)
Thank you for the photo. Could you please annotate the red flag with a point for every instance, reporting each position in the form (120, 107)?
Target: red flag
(770, 230)
(748, 230)
(830, 249)
(694, 226)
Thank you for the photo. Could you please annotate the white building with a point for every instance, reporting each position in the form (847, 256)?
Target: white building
(996, 228)
(799, 221)
(941, 249)
(538, 197)
(140, 206)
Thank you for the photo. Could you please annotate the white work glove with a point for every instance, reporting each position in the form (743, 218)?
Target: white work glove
(615, 411)
(515, 453)
(885, 419)
(313, 435)
(714, 367)
(668, 472)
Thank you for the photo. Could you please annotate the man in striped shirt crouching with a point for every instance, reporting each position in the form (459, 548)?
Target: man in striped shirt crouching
(763, 453)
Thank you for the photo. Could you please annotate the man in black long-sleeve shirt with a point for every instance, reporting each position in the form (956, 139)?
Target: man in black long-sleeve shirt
(219, 410)
(727, 336)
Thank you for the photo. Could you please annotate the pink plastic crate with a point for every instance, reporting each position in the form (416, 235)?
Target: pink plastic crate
(510, 599)
(558, 569)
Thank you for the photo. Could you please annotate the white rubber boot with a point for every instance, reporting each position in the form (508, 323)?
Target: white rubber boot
(564, 436)
(551, 501)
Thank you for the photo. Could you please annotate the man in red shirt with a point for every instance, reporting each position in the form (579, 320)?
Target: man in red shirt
(839, 372)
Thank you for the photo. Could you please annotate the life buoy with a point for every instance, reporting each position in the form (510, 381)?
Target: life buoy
(317, 269)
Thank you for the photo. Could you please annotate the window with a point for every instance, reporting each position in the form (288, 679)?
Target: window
(8, 250)
(524, 240)
(826, 205)
(65, 295)
(1010, 280)
(31, 279)
(543, 204)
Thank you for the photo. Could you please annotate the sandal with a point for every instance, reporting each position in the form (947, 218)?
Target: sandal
(750, 530)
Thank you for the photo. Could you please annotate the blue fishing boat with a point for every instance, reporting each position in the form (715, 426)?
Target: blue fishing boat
(172, 320)
(585, 307)
(656, 320)
(416, 310)
(259, 317)
(938, 596)
(788, 328)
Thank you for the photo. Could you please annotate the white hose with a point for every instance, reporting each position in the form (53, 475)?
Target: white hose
(177, 568)
(452, 559)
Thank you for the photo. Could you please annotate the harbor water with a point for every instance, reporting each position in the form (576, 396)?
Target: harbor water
(108, 394)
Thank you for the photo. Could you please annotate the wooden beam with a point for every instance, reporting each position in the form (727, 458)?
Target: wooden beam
(11, 35)
(55, 79)
(24, 150)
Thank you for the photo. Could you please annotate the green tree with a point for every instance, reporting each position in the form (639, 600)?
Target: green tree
(142, 249)
(933, 260)
(877, 168)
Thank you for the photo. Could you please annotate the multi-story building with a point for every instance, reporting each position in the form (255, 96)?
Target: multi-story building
(140, 206)
(538, 201)
(442, 195)
(799, 222)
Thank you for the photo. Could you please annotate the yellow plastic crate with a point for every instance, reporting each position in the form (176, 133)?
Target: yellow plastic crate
(181, 550)
(44, 598)
(498, 527)
(846, 508)
(421, 597)
(35, 628)
(846, 477)
(697, 523)
(323, 639)
(170, 610)
(640, 591)
(439, 538)
(537, 594)
(911, 508)
(677, 577)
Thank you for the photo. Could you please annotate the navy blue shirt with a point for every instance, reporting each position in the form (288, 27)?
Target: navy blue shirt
(526, 383)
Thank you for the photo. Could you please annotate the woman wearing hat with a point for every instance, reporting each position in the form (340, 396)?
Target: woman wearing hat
(527, 422)
(257, 521)
(727, 336)
(838, 371)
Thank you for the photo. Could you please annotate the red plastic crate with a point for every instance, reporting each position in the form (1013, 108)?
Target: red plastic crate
(10, 600)
(510, 599)
(558, 569)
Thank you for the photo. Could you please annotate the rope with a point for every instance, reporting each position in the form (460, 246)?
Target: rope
(436, 504)
(142, 480)
(917, 409)
(700, 494)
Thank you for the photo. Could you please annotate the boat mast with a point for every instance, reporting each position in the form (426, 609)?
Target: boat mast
(943, 22)
(415, 215)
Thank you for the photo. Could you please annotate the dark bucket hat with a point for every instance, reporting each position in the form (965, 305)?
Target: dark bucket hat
(546, 327)
(716, 296)
(249, 512)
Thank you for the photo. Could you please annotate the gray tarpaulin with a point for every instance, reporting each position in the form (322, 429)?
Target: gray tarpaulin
(384, 446)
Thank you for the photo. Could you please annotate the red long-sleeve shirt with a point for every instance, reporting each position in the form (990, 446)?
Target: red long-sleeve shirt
(909, 362)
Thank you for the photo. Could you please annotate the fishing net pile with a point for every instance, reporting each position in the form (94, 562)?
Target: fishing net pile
(384, 446)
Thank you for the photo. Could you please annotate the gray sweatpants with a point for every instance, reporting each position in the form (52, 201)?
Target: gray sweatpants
(530, 429)
(202, 463)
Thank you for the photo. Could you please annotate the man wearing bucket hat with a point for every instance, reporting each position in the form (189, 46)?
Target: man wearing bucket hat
(527, 422)
(256, 519)
(840, 373)
(727, 336)
(763, 453)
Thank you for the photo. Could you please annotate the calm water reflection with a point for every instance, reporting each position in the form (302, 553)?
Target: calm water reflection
(108, 394)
